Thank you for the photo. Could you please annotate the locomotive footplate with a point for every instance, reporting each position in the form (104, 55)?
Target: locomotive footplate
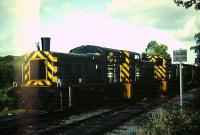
(96, 94)
(39, 97)
(79, 96)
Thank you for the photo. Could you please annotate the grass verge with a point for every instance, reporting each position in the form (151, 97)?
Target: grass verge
(172, 120)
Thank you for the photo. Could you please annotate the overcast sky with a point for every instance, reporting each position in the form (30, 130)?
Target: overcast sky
(120, 24)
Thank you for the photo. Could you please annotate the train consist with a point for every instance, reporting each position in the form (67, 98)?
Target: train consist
(91, 75)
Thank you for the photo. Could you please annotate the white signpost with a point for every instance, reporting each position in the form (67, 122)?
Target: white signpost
(180, 56)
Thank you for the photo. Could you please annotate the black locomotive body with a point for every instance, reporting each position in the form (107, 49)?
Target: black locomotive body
(92, 75)
(190, 75)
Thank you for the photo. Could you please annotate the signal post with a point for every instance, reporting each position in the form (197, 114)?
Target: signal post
(180, 56)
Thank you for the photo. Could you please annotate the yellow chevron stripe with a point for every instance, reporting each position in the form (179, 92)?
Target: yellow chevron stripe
(28, 73)
(53, 78)
(47, 82)
(35, 83)
(53, 59)
(149, 57)
(155, 56)
(163, 69)
(26, 66)
(125, 71)
(38, 83)
(122, 75)
(126, 79)
(28, 83)
(34, 55)
(37, 53)
(127, 60)
(126, 53)
(26, 76)
(126, 66)
(164, 63)
(27, 55)
(153, 59)
(53, 68)
(160, 71)
(157, 73)
(41, 83)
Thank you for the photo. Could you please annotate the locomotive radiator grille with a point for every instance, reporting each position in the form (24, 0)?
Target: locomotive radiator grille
(40, 69)
(125, 72)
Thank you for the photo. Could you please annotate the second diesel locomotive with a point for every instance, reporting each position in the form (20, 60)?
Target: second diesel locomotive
(92, 74)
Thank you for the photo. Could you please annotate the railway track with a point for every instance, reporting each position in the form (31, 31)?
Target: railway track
(133, 125)
(104, 122)
(15, 124)
(62, 121)
(115, 121)
(42, 122)
(10, 120)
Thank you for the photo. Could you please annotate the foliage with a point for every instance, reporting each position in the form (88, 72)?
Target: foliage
(6, 76)
(9, 72)
(197, 38)
(5, 101)
(153, 48)
(197, 48)
(188, 3)
(173, 120)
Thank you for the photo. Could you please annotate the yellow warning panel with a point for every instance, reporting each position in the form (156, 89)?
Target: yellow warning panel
(164, 86)
(127, 92)
(50, 69)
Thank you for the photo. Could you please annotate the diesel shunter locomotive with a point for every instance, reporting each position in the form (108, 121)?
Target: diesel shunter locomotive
(91, 75)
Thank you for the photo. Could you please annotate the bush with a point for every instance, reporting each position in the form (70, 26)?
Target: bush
(173, 120)
(5, 101)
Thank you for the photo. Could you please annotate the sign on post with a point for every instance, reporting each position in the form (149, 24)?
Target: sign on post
(180, 56)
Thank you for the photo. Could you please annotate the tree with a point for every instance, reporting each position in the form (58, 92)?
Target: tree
(188, 3)
(153, 48)
(197, 38)
(197, 48)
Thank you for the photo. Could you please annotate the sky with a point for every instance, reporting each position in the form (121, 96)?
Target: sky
(120, 24)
